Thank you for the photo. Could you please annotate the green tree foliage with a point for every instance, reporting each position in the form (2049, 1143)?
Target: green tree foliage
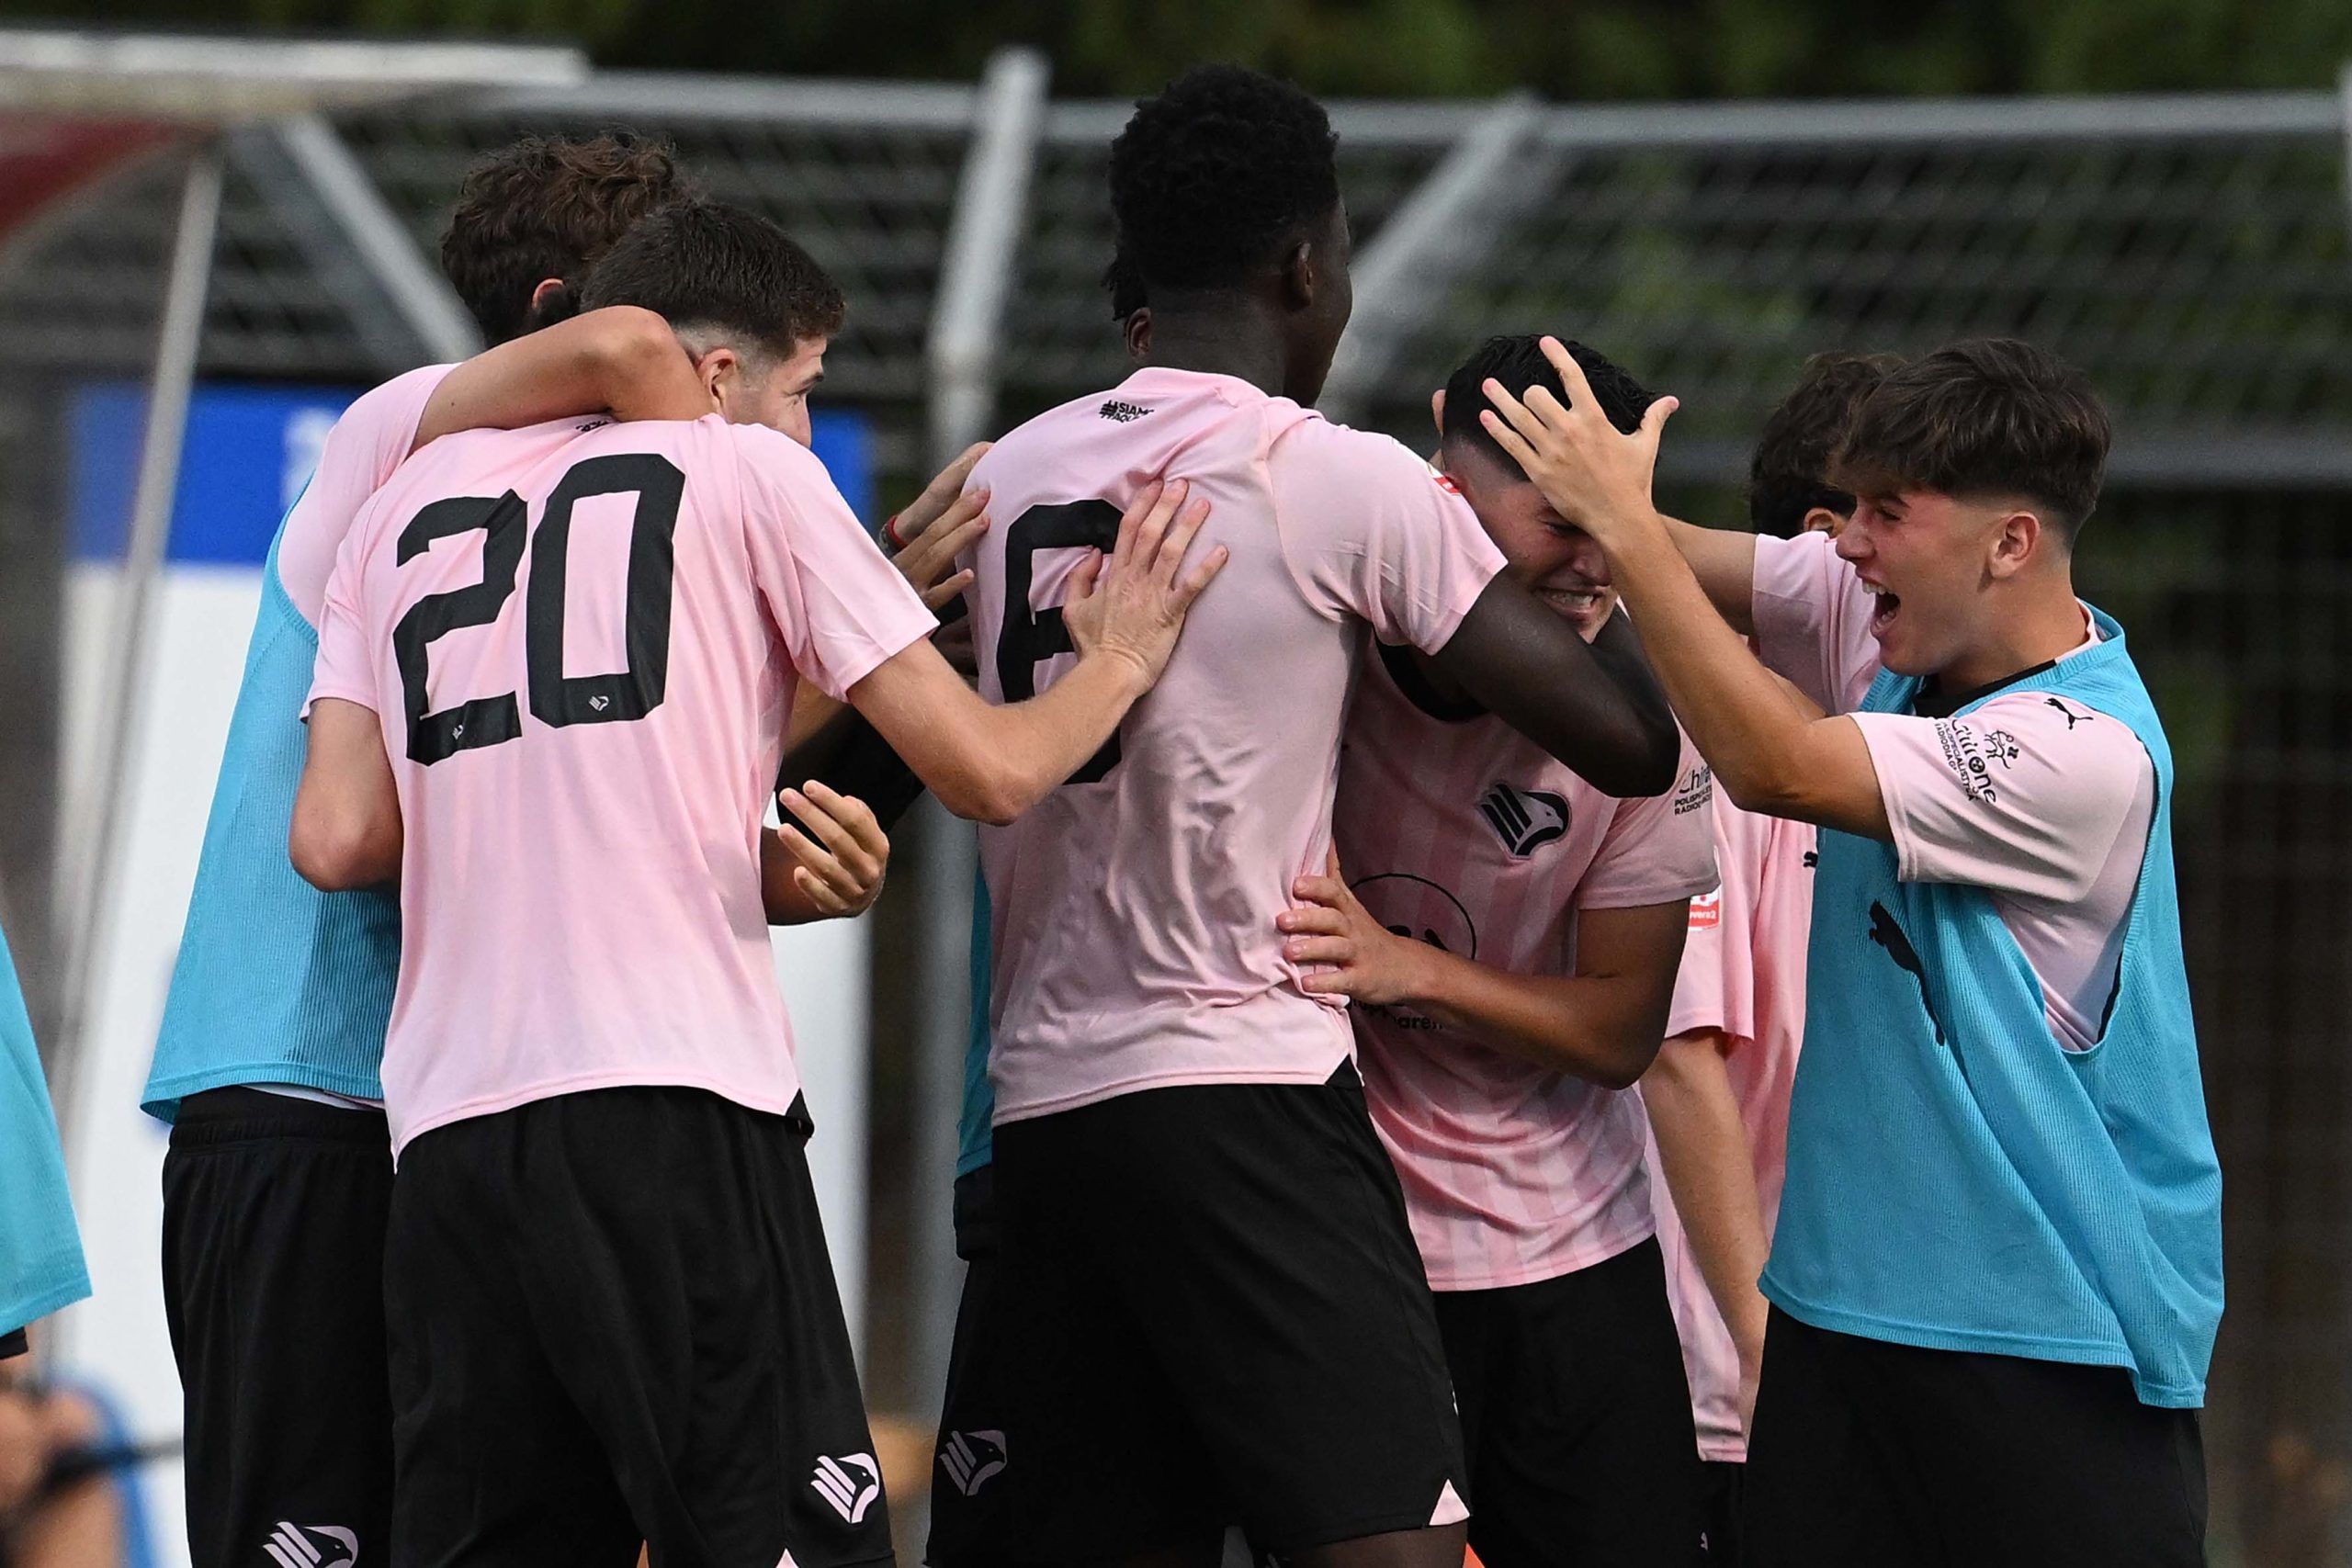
(1564, 49)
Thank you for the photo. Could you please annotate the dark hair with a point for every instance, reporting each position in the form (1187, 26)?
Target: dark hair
(1788, 475)
(1212, 178)
(705, 264)
(1126, 284)
(1992, 417)
(549, 207)
(1518, 363)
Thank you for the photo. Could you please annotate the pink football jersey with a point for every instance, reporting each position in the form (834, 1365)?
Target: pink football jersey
(583, 641)
(1743, 976)
(366, 445)
(1456, 830)
(1134, 908)
(2043, 802)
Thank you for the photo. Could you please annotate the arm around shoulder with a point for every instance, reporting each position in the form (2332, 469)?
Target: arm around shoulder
(620, 359)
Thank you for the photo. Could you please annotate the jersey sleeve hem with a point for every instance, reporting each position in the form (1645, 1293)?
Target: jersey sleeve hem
(1643, 897)
(888, 645)
(357, 696)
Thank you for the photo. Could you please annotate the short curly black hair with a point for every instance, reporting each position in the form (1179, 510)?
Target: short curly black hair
(1212, 178)
(1124, 285)
(1788, 475)
(1518, 362)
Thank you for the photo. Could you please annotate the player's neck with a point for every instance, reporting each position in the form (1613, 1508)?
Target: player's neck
(1231, 342)
(2043, 628)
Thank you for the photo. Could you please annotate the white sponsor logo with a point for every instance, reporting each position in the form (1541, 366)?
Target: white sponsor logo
(850, 1483)
(312, 1546)
(971, 1459)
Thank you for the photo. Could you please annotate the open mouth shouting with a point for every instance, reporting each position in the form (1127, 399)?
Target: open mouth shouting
(1886, 606)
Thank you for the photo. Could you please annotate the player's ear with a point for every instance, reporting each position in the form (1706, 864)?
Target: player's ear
(2015, 537)
(1299, 282)
(1137, 329)
(1437, 411)
(1822, 520)
(551, 301)
(722, 373)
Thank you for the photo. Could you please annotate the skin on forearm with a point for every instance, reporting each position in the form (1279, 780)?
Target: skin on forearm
(986, 762)
(1724, 560)
(346, 829)
(620, 359)
(1711, 1170)
(1766, 754)
(1601, 1023)
(1595, 708)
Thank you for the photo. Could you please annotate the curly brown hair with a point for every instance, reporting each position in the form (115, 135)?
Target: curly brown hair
(549, 207)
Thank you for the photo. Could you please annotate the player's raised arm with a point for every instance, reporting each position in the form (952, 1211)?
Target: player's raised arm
(620, 360)
(1598, 708)
(1124, 613)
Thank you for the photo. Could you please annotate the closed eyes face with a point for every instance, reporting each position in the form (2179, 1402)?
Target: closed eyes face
(1544, 553)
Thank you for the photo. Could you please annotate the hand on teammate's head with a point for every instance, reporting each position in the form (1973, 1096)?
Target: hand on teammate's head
(1588, 468)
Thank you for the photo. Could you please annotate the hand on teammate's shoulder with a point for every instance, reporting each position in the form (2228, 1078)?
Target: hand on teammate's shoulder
(1131, 603)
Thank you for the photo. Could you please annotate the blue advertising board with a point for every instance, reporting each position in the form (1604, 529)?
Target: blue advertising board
(250, 450)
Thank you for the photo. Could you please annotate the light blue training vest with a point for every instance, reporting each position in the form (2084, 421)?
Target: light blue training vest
(276, 982)
(1956, 1180)
(40, 1251)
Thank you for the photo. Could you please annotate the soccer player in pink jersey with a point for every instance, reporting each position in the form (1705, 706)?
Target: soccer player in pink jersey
(1508, 935)
(1996, 1275)
(552, 686)
(1212, 1305)
(278, 1176)
(1718, 1093)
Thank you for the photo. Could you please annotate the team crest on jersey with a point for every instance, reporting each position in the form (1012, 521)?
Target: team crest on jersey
(1120, 411)
(1524, 820)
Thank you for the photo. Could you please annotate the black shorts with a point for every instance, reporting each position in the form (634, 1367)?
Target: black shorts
(274, 1215)
(1576, 1416)
(967, 1522)
(1866, 1453)
(1722, 1543)
(613, 1321)
(1212, 1312)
